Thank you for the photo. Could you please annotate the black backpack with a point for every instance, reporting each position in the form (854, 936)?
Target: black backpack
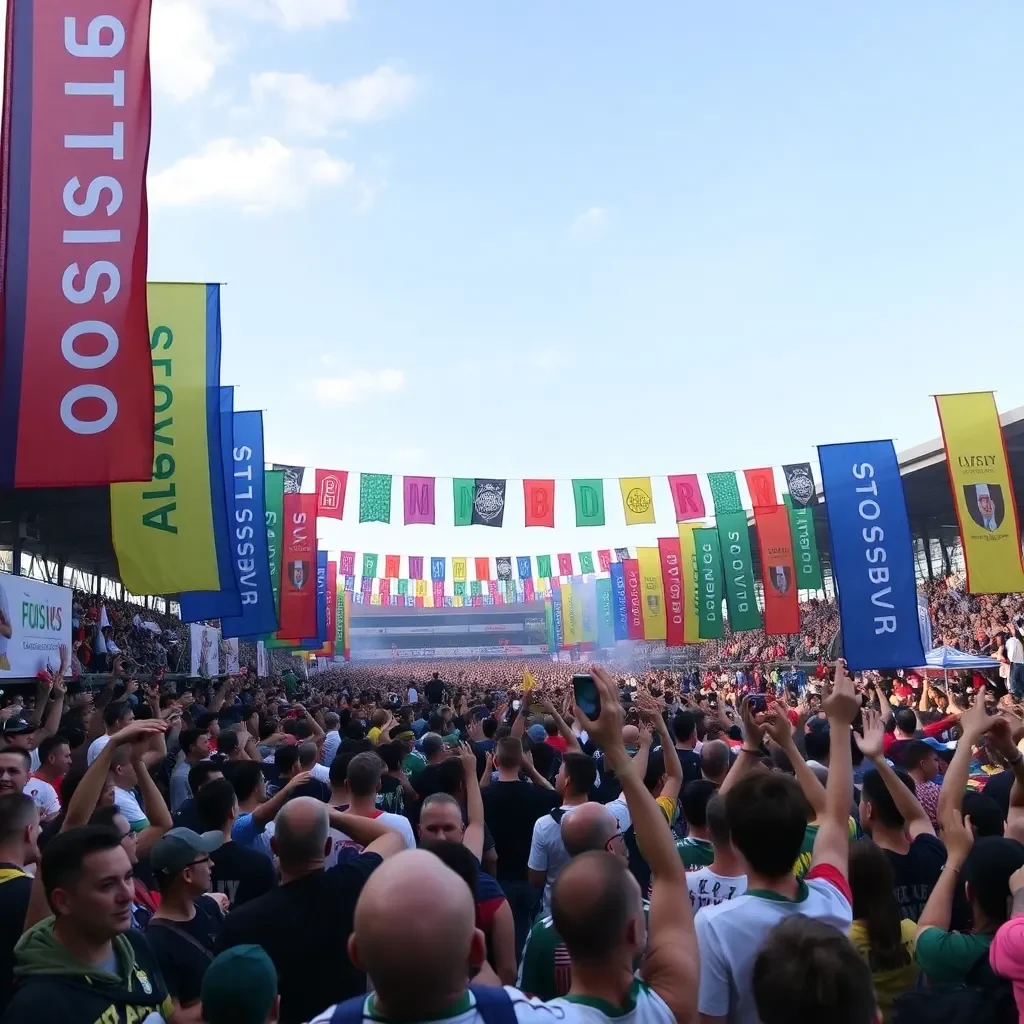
(982, 998)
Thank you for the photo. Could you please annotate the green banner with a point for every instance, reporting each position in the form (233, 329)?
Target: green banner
(709, 584)
(273, 490)
(339, 622)
(549, 626)
(459, 588)
(463, 493)
(589, 498)
(725, 492)
(543, 567)
(734, 537)
(403, 587)
(475, 590)
(586, 561)
(369, 565)
(805, 546)
(374, 498)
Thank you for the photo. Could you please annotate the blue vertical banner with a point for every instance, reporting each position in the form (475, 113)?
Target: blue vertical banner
(587, 589)
(198, 605)
(437, 568)
(524, 566)
(605, 614)
(872, 555)
(321, 597)
(556, 614)
(251, 553)
(620, 620)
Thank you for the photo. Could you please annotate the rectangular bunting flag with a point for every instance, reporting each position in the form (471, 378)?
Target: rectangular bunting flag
(709, 593)
(544, 567)
(419, 499)
(437, 569)
(800, 484)
(483, 568)
(588, 496)
(273, 497)
(586, 561)
(524, 567)
(778, 570)
(604, 560)
(347, 563)
(688, 560)
(622, 554)
(503, 567)
(475, 588)
(672, 584)
(321, 596)
(761, 485)
(686, 497)
(488, 502)
(734, 538)
(213, 604)
(565, 565)
(653, 593)
(459, 588)
(528, 589)
(634, 599)
(392, 566)
(872, 555)
(385, 589)
(332, 607)
(539, 501)
(572, 612)
(637, 500)
(369, 566)
(549, 625)
(421, 588)
(76, 399)
(725, 492)
(463, 491)
(558, 620)
(402, 588)
(163, 530)
(588, 600)
(805, 545)
(415, 567)
(331, 485)
(366, 584)
(374, 498)
(620, 615)
(249, 526)
(982, 492)
(298, 576)
(459, 569)
(292, 476)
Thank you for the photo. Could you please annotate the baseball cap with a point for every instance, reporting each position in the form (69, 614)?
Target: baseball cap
(404, 734)
(16, 725)
(176, 849)
(239, 987)
(537, 733)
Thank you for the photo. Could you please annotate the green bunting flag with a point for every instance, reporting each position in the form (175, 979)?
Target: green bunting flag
(475, 589)
(459, 588)
(463, 492)
(725, 492)
(543, 567)
(586, 561)
(403, 588)
(549, 626)
(734, 537)
(374, 498)
(589, 498)
(709, 584)
(369, 566)
(273, 492)
(805, 546)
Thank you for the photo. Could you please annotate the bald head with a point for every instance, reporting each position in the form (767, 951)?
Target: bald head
(630, 736)
(589, 827)
(419, 959)
(714, 760)
(300, 832)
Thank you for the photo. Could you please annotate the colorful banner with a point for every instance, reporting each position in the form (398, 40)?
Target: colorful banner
(331, 485)
(637, 500)
(374, 498)
(572, 613)
(686, 497)
(587, 598)
(529, 591)
(437, 569)
(725, 492)
(539, 502)
(778, 570)
(332, 608)
(982, 492)
(586, 561)
(403, 588)
(805, 545)
(347, 564)
(565, 564)
(653, 593)
(38, 620)
(415, 567)
(549, 625)
(483, 568)
(76, 407)
(800, 483)
(588, 496)
(544, 567)
(419, 499)
(688, 561)
(622, 554)
(524, 567)
(369, 566)
(734, 538)
(163, 530)
(620, 614)
(761, 485)
(872, 555)
(249, 526)
(195, 606)
(392, 566)
(710, 625)
(634, 599)
(292, 477)
(503, 567)
(459, 569)
(488, 503)
(204, 650)
(321, 597)
(605, 614)
(298, 576)
(672, 589)
(273, 498)
(421, 588)
(604, 560)
(557, 618)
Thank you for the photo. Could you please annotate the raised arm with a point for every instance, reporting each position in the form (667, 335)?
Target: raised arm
(473, 837)
(156, 807)
(780, 729)
(572, 743)
(370, 833)
(959, 838)
(267, 810)
(974, 723)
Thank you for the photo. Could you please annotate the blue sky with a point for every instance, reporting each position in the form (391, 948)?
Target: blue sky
(590, 239)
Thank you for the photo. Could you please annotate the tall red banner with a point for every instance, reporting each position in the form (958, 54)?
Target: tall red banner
(778, 570)
(634, 599)
(539, 500)
(76, 399)
(331, 485)
(298, 576)
(672, 581)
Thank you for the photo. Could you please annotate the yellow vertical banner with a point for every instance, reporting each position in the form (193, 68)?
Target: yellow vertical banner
(982, 492)
(421, 588)
(688, 560)
(652, 593)
(571, 613)
(459, 569)
(163, 530)
(637, 499)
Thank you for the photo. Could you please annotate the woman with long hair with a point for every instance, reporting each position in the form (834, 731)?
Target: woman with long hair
(884, 940)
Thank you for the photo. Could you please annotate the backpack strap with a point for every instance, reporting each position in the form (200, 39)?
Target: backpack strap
(350, 1011)
(494, 1004)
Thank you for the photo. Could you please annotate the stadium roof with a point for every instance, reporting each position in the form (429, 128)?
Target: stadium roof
(73, 524)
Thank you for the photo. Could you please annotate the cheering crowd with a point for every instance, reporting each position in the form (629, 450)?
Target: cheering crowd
(254, 850)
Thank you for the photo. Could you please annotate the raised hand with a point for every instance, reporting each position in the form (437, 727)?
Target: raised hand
(778, 726)
(872, 741)
(134, 732)
(842, 705)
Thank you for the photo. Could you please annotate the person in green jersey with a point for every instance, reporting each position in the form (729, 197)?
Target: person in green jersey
(696, 850)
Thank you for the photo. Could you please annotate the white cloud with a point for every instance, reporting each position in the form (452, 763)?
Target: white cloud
(184, 53)
(590, 223)
(315, 109)
(262, 176)
(361, 385)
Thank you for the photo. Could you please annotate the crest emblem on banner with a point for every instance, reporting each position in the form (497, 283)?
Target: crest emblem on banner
(638, 500)
(489, 501)
(298, 573)
(292, 477)
(654, 604)
(780, 578)
(800, 483)
(986, 505)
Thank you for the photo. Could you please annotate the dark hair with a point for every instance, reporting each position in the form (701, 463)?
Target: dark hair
(490, 727)
(285, 759)
(432, 744)
(683, 725)
(391, 754)
(115, 712)
(655, 769)
(457, 857)
(718, 821)
(200, 772)
(915, 752)
(339, 769)
(49, 744)
(214, 802)
(363, 776)
(807, 971)
(508, 752)
(874, 789)
(906, 720)
(985, 814)
(874, 902)
(188, 738)
(580, 772)
(768, 815)
(987, 871)
(64, 856)
(817, 745)
(245, 776)
(16, 813)
(227, 742)
(450, 776)
(591, 930)
(23, 754)
(693, 801)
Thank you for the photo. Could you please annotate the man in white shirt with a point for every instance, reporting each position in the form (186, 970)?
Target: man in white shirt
(116, 715)
(412, 697)
(1015, 655)
(332, 739)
